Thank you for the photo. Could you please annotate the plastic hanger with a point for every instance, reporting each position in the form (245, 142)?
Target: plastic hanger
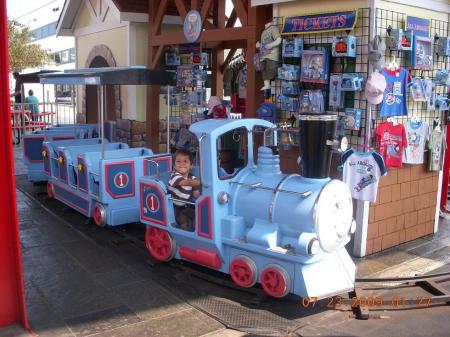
(392, 120)
(393, 65)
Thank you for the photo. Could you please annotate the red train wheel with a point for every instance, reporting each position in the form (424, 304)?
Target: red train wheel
(275, 281)
(50, 190)
(159, 244)
(99, 215)
(243, 271)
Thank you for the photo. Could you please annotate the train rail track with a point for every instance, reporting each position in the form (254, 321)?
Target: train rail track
(370, 296)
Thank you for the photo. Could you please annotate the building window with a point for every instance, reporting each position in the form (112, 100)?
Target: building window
(44, 31)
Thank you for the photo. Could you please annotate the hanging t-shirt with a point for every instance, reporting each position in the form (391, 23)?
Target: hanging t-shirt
(269, 35)
(362, 172)
(391, 141)
(437, 146)
(394, 97)
(417, 134)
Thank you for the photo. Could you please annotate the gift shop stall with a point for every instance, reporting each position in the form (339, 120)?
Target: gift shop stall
(378, 73)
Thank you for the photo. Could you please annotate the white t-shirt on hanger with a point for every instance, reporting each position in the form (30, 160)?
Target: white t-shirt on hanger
(417, 134)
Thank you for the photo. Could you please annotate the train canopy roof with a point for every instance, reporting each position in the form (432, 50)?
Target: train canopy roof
(34, 77)
(111, 75)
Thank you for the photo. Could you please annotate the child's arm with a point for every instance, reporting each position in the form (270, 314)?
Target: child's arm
(190, 182)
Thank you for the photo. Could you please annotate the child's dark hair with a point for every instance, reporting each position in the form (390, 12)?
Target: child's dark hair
(183, 152)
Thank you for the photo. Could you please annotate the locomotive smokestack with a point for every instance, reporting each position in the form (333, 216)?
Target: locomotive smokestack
(268, 163)
(316, 133)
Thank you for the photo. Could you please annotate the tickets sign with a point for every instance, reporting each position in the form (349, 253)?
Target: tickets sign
(319, 23)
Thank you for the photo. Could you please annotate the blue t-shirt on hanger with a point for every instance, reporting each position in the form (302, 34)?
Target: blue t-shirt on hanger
(394, 98)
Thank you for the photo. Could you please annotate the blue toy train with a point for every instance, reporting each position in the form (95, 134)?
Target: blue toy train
(284, 231)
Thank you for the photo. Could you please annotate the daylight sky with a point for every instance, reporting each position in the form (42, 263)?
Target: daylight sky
(17, 8)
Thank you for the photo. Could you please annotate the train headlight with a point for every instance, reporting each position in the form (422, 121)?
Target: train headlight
(44, 154)
(60, 160)
(333, 215)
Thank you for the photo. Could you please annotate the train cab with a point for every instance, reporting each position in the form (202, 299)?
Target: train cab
(225, 151)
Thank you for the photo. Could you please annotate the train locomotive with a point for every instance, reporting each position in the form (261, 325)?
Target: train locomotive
(284, 231)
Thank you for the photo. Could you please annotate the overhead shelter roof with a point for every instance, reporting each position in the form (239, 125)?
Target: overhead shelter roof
(113, 76)
(34, 77)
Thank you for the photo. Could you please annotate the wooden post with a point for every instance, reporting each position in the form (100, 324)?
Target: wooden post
(256, 20)
(218, 52)
(154, 53)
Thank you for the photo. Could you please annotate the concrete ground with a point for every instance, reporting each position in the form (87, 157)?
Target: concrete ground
(85, 281)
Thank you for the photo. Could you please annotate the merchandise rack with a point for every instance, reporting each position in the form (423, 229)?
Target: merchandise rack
(337, 65)
(386, 19)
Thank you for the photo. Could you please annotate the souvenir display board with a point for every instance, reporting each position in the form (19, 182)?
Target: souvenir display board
(326, 71)
(188, 98)
(427, 94)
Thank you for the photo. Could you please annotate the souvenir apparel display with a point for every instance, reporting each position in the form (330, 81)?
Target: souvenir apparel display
(216, 109)
(417, 90)
(315, 65)
(375, 86)
(443, 46)
(377, 48)
(267, 111)
(344, 46)
(268, 52)
(362, 172)
(336, 97)
(394, 98)
(352, 118)
(422, 53)
(352, 82)
(442, 77)
(437, 147)
(417, 134)
(289, 72)
(391, 142)
(311, 101)
(292, 47)
(400, 39)
(430, 94)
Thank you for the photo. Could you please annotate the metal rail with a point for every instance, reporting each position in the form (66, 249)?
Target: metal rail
(261, 186)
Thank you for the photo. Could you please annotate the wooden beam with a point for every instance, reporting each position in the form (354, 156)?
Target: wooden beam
(205, 10)
(159, 16)
(219, 13)
(181, 9)
(228, 60)
(232, 19)
(195, 4)
(225, 34)
(157, 57)
(208, 25)
(241, 10)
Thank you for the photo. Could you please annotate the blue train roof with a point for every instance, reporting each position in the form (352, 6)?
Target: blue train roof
(215, 127)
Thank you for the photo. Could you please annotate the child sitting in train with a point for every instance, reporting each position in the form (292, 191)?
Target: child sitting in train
(184, 188)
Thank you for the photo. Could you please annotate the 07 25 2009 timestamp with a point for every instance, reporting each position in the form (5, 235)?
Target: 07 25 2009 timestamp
(393, 301)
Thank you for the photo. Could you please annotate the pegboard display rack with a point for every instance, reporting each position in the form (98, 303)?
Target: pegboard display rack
(338, 65)
(387, 20)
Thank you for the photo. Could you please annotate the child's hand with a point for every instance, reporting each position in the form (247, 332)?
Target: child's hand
(196, 194)
(195, 182)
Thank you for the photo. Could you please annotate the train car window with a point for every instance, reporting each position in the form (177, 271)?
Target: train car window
(232, 152)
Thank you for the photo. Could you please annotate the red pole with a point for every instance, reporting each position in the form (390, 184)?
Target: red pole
(12, 296)
(445, 175)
